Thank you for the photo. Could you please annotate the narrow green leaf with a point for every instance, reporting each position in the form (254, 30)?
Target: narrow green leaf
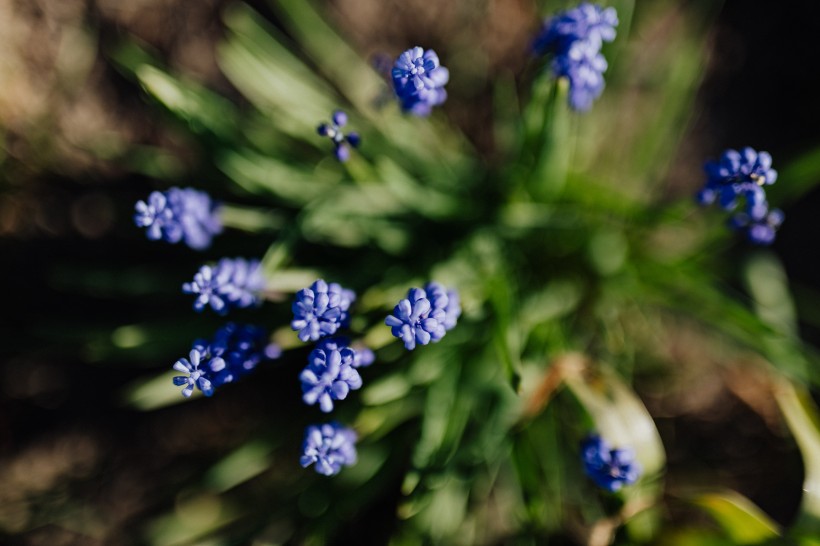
(203, 110)
(803, 418)
(740, 519)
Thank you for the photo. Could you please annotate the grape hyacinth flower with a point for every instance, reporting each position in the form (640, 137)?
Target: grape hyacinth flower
(234, 351)
(419, 80)
(329, 376)
(231, 283)
(587, 22)
(575, 38)
(741, 177)
(341, 141)
(760, 229)
(179, 214)
(197, 376)
(329, 447)
(320, 310)
(447, 300)
(737, 174)
(610, 469)
(422, 316)
(364, 356)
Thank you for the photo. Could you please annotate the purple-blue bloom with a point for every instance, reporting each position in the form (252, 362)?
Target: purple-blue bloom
(234, 351)
(179, 214)
(586, 22)
(320, 310)
(416, 320)
(759, 229)
(231, 283)
(329, 376)
(419, 80)
(736, 174)
(738, 179)
(197, 372)
(610, 469)
(329, 447)
(575, 38)
(446, 299)
(364, 357)
(341, 141)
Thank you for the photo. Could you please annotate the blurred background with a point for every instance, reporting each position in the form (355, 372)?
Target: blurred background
(82, 463)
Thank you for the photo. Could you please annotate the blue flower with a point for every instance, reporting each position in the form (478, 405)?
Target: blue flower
(231, 283)
(329, 447)
(609, 468)
(587, 23)
(738, 180)
(329, 376)
(178, 215)
(419, 80)
(363, 356)
(197, 376)
(735, 175)
(760, 228)
(447, 300)
(320, 310)
(341, 142)
(584, 67)
(416, 320)
(234, 351)
(575, 37)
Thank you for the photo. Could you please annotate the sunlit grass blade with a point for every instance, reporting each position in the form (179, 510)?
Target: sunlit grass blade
(203, 110)
(271, 77)
(287, 183)
(740, 519)
(803, 418)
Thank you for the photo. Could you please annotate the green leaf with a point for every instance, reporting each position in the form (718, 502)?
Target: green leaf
(803, 418)
(203, 110)
(256, 61)
(265, 175)
(740, 519)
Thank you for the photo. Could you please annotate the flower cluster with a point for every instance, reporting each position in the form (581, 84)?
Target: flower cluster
(362, 358)
(234, 351)
(341, 141)
(320, 310)
(425, 315)
(231, 283)
(329, 376)
(736, 183)
(419, 80)
(179, 214)
(329, 447)
(575, 38)
(609, 468)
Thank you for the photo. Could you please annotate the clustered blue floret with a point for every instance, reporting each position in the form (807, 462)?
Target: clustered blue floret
(179, 214)
(610, 469)
(234, 351)
(425, 315)
(736, 183)
(320, 310)
(329, 447)
(230, 283)
(575, 38)
(341, 141)
(419, 80)
(329, 375)
(362, 358)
